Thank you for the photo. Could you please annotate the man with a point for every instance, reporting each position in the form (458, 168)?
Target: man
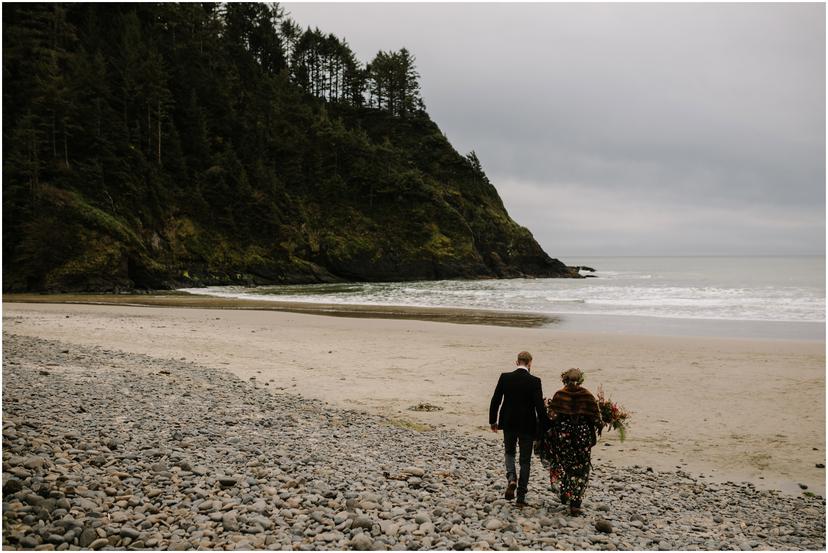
(522, 415)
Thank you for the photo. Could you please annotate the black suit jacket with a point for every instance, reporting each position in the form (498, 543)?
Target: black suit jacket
(523, 410)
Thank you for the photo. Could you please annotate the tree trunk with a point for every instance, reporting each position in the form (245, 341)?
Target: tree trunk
(98, 114)
(35, 161)
(158, 123)
(126, 119)
(54, 139)
(65, 146)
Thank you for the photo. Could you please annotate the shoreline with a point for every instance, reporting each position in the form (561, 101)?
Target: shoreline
(386, 366)
(635, 325)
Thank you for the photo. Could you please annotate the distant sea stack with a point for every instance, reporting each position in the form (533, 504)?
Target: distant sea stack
(153, 146)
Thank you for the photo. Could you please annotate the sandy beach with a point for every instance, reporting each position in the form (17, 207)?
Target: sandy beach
(174, 454)
(740, 410)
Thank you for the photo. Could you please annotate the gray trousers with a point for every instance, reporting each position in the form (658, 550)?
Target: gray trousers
(510, 441)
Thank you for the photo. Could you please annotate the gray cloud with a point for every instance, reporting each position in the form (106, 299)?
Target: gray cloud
(626, 128)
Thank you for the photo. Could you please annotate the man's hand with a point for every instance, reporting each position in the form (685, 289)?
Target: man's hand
(494, 428)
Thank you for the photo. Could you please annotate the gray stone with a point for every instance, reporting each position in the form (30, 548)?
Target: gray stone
(389, 528)
(183, 545)
(34, 463)
(493, 524)
(264, 522)
(12, 486)
(29, 542)
(230, 522)
(603, 525)
(362, 542)
(127, 532)
(86, 504)
(99, 543)
(363, 522)
(87, 537)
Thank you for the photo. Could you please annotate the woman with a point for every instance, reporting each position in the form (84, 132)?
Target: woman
(566, 446)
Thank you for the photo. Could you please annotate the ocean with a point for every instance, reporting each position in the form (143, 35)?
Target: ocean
(751, 297)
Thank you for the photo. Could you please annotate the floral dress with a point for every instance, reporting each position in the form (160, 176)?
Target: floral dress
(565, 450)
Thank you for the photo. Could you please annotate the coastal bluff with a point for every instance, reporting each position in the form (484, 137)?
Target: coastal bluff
(227, 146)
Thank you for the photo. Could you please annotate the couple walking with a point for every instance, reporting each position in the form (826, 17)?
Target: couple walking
(565, 438)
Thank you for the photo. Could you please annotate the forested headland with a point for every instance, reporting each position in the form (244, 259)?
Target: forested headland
(149, 146)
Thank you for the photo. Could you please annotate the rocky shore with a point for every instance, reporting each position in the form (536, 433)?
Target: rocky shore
(108, 450)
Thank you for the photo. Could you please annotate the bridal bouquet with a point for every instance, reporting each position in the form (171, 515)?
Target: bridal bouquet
(614, 416)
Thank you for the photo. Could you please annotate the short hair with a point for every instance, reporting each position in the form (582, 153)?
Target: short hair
(524, 357)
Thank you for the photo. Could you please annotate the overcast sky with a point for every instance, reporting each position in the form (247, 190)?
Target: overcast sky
(625, 129)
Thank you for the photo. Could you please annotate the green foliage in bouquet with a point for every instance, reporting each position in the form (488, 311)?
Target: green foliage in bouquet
(613, 416)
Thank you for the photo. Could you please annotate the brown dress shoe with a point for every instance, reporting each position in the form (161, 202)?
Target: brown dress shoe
(510, 489)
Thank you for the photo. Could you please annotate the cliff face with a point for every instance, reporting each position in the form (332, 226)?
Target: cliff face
(440, 218)
(257, 181)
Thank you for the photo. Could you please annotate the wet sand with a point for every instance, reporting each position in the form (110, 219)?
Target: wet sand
(729, 409)
(183, 299)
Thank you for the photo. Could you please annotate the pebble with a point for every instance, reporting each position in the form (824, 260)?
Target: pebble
(170, 454)
(421, 518)
(100, 543)
(86, 504)
(34, 463)
(12, 486)
(493, 524)
(30, 542)
(603, 525)
(389, 528)
(363, 522)
(127, 532)
(362, 542)
(230, 523)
